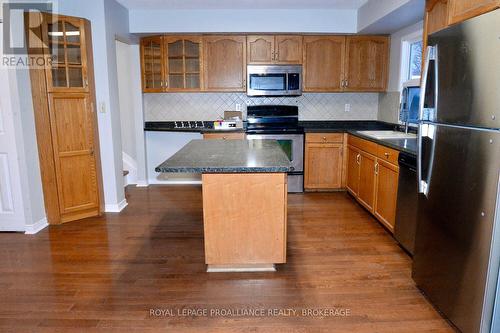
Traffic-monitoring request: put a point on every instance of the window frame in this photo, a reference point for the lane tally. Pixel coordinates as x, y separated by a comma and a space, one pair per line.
404, 65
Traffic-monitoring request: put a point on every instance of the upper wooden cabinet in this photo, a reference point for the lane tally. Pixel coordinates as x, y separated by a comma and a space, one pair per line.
183, 63
225, 63
460, 10
218, 62
280, 49
366, 67
324, 58
152, 63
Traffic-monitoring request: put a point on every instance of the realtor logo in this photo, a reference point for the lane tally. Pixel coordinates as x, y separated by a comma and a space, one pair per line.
15, 41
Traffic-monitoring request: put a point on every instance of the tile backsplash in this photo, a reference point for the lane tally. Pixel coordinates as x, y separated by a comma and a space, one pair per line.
211, 106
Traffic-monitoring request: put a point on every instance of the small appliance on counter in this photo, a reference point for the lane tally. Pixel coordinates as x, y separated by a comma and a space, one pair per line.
232, 120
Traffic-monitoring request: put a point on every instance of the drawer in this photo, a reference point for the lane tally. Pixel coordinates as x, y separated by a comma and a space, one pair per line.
388, 154
325, 137
225, 136
365, 145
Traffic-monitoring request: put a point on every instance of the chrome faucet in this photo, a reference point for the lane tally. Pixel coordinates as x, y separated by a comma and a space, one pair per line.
407, 121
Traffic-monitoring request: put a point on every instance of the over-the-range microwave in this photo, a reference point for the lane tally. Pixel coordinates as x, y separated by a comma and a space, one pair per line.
274, 80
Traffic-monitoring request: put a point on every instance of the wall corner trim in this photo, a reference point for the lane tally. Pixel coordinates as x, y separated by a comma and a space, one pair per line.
32, 229
116, 208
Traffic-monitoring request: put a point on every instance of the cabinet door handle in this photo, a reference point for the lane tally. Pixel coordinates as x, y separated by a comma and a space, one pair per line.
358, 159
376, 168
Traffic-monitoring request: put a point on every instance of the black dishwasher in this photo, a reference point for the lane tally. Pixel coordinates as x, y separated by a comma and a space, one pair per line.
406, 208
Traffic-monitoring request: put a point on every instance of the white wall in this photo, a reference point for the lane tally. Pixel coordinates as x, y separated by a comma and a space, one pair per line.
108, 19
274, 20
389, 101
395, 56
131, 111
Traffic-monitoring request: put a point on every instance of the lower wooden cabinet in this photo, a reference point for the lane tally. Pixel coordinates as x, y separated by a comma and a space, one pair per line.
353, 162
372, 178
366, 194
386, 193
323, 161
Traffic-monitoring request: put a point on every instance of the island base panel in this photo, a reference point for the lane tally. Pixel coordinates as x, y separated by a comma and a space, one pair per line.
244, 217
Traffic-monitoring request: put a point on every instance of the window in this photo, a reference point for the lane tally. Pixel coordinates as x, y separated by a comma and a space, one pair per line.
411, 68
411, 57
415, 60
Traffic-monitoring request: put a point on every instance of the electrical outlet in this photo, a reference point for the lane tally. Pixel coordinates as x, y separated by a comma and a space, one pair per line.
347, 107
238, 107
102, 107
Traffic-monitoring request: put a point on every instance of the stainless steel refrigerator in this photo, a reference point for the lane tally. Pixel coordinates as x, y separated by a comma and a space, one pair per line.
456, 261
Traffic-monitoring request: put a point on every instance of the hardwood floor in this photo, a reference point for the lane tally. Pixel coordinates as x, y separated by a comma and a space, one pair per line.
106, 274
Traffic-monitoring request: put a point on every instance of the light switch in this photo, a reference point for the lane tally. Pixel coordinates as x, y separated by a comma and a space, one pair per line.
102, 107
347, 107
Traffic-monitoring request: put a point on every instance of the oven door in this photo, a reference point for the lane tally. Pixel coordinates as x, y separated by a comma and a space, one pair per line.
293, 146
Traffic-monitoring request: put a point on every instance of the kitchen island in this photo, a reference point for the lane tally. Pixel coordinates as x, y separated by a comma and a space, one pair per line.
244, 200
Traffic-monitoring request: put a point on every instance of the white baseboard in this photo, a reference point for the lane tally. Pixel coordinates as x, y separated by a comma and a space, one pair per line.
32, 229
142, 183
174, 182
116, 208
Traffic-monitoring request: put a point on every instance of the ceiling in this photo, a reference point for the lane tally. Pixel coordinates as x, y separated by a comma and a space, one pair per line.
242, 4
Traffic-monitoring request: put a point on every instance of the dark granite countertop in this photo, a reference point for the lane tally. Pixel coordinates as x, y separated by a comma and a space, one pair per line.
228, 156
168, 126
407, 145
344, 125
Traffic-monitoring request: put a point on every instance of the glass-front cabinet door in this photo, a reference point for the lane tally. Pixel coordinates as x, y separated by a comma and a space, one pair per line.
183, 63
65, 38
152, 64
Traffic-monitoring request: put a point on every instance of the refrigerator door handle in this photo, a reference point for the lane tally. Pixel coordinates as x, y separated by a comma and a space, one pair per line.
428, 133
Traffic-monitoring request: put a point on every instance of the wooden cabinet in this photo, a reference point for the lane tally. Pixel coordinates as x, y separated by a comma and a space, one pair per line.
225, 63
323, 64
152, 64
386, 193
225, 136
323, 161
66, 124
372, 178
366, 191
353, 162
280, 49
460, 10
439, 14
366, 66
339, 63
183, 63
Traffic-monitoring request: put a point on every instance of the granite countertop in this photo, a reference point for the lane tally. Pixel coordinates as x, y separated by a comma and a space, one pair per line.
228, 156
407, 145
314, 126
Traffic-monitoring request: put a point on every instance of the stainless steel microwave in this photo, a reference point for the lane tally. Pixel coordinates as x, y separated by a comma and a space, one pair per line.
274, 80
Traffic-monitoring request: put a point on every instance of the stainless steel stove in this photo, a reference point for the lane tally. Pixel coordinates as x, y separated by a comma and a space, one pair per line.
280, 123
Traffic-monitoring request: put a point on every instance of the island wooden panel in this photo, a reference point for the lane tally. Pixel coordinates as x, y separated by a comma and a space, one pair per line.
244, 217
225, 136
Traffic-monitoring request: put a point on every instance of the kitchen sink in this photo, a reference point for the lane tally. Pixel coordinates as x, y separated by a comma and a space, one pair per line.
380, 135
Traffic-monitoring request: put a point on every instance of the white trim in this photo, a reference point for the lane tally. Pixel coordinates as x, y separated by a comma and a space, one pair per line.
32, 229
142, 183
174, 182
130, 165
116, 208
405, 54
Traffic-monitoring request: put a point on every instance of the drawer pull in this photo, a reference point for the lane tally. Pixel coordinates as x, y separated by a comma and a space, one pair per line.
387, 155
324, 138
